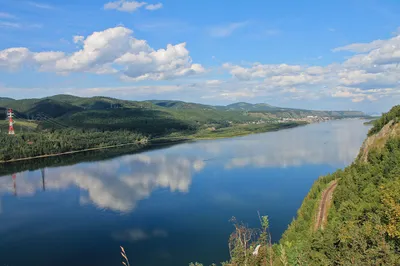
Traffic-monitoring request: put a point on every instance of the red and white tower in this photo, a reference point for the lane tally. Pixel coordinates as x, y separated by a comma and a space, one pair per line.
10, 115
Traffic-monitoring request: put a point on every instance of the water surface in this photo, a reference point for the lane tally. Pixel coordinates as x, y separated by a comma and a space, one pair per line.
168, 206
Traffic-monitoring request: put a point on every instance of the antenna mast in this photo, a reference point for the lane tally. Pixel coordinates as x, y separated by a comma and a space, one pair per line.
10, 115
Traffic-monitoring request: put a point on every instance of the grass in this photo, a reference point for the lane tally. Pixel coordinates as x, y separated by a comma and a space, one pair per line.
123, 254
241, 130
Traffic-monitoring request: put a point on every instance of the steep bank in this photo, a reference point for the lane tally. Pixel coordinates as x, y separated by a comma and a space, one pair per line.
363, 226
378, 140
360, 226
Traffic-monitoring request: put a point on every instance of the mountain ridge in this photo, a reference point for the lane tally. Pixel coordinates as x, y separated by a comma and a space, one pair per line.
102, 102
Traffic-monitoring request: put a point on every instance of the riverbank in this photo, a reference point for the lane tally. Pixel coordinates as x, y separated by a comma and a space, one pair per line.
229, 132
361, 199
69, 152
244, 130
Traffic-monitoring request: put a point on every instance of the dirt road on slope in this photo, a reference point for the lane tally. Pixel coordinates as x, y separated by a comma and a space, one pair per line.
324, 205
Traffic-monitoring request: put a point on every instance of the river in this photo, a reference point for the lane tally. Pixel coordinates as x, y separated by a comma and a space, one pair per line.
167, 206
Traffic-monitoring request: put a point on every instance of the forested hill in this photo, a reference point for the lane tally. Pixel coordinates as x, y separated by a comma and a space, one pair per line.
59, 105
152, 118
363, 226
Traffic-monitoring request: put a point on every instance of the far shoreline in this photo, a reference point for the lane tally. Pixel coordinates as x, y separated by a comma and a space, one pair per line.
166, 140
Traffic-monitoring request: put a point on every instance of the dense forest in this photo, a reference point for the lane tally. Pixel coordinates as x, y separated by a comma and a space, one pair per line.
75, 158
30, 144
363, 225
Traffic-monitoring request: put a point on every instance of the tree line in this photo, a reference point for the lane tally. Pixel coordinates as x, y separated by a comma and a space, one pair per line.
29, 144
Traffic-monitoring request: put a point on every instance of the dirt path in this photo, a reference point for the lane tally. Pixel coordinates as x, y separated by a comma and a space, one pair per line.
324, 206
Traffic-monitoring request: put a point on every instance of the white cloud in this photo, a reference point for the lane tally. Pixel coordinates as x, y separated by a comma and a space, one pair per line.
131, 6
360, 47
126, 90
113, 50
125, 6
227, 30
396, 32
19, 26
41, 5
7, 15
154, 6
78, 39
260, 71
6, 24
366, 75
214, 82
13, 58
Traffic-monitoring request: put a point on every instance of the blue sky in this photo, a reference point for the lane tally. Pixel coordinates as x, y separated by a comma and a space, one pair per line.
307, 54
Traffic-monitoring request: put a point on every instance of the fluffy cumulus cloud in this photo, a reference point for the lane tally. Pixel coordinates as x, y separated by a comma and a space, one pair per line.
113, 50
154, 6
131, 6
371, 73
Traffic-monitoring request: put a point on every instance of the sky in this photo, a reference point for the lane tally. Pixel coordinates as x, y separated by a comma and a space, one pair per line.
326, 55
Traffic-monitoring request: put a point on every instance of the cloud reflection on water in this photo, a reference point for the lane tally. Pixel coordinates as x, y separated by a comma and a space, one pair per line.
119, 184
116, 185
136, 235
336, 143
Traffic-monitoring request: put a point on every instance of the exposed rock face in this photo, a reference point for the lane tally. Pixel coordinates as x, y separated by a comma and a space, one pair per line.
379, 139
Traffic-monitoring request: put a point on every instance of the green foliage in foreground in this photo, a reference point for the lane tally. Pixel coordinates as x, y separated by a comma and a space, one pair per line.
58, 141
393, 114
363, 224
364, 220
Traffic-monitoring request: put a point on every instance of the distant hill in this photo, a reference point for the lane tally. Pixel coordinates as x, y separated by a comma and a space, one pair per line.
65, 98
5, 99
258, 107
150, 117
53, 108
250, 107
181, 105
69, 103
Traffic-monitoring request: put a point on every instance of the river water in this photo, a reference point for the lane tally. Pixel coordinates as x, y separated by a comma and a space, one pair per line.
168, 206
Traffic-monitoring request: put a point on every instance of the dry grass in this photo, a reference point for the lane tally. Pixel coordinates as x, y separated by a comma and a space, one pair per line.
126, 260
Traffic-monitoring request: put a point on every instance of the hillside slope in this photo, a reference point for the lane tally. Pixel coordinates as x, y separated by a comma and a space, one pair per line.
350, 217
29, 106
363, 225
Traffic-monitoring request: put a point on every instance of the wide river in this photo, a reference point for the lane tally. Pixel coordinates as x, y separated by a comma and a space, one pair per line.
167, 206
